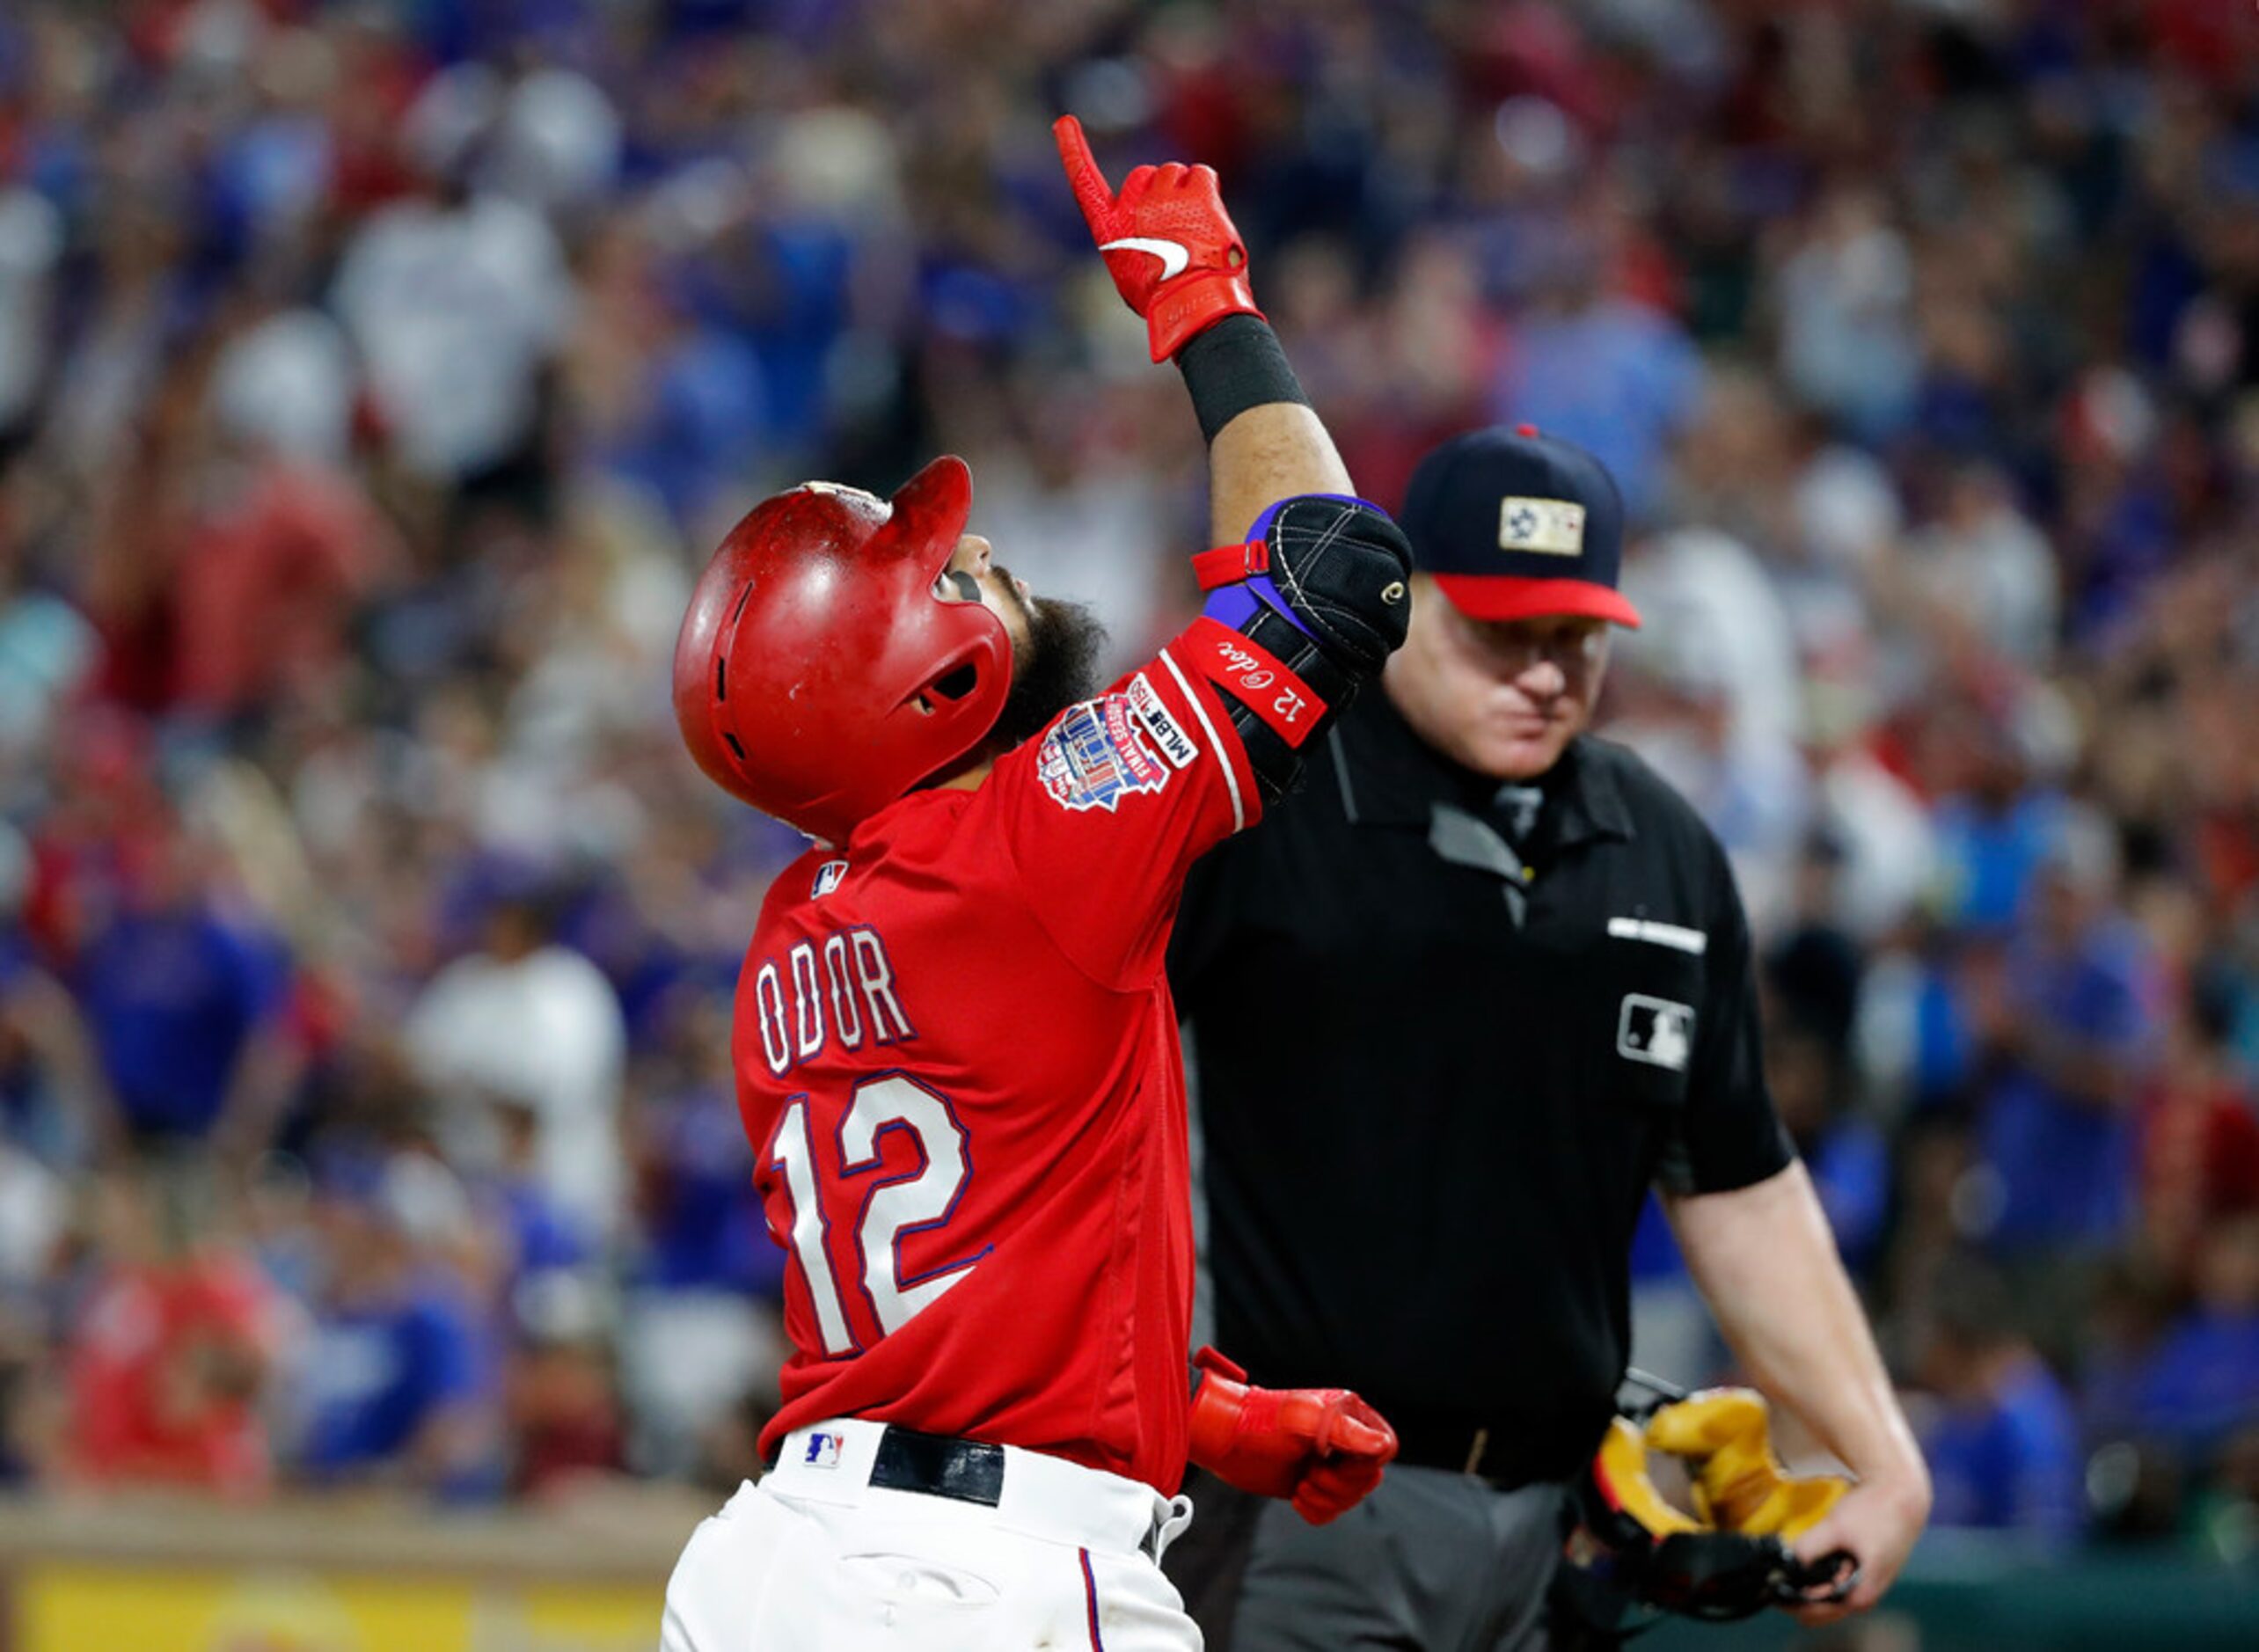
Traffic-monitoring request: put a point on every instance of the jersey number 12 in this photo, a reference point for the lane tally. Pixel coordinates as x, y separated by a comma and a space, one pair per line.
892, 1209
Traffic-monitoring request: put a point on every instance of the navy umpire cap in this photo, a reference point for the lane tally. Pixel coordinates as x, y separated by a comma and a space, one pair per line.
1516, 525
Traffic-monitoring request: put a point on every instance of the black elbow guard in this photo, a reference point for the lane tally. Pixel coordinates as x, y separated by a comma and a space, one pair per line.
1318, 595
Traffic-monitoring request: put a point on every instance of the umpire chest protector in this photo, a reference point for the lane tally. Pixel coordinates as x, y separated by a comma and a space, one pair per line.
1443, 1041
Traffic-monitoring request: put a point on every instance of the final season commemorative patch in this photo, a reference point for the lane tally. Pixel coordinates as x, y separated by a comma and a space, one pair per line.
1096, 755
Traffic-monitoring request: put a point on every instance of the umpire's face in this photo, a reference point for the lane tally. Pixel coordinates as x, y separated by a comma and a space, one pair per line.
1501, 696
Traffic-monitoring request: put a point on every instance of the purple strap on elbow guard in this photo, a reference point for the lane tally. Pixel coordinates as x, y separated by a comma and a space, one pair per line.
1235, 605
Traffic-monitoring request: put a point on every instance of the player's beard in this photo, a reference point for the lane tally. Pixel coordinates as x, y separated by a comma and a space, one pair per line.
1058, 666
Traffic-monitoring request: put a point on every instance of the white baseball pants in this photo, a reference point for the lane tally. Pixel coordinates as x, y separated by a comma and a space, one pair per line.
816, 1559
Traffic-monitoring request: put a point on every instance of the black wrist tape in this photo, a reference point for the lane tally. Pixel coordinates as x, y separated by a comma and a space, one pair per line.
1235, 365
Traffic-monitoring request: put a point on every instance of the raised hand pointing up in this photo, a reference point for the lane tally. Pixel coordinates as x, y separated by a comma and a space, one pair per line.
1173, 253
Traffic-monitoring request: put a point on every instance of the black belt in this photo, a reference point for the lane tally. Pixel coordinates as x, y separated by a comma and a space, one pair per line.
1500, 1452
968, 1470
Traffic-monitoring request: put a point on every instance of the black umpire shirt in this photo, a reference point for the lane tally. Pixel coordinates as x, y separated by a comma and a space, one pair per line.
1438, 1064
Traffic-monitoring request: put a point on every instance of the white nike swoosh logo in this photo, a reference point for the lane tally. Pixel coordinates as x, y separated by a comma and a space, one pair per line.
1175, 260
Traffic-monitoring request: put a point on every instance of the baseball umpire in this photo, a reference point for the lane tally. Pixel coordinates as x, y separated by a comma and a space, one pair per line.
955, 1045
1523, 977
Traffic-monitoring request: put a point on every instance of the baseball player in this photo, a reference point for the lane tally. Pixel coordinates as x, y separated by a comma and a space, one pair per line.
955, 1048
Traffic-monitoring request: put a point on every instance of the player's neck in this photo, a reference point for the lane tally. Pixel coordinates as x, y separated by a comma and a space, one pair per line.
967, 779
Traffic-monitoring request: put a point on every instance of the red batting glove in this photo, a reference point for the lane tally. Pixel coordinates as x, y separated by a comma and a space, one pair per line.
1322, 1447
1174, 256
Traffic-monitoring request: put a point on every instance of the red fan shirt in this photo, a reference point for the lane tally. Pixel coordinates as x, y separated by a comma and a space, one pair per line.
957, 1058
164, 1367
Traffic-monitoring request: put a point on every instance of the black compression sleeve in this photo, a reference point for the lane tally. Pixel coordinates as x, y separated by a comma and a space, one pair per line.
1235, 365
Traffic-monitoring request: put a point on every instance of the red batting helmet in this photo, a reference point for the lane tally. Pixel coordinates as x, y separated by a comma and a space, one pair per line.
817, 676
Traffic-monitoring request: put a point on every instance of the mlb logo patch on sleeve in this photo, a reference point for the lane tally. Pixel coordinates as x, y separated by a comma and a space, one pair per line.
1168, 735
1096, 755
1655, 1031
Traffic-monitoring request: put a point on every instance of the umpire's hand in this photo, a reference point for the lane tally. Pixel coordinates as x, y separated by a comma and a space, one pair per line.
1876, 1523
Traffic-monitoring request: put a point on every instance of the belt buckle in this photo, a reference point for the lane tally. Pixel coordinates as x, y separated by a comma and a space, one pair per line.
938, 1465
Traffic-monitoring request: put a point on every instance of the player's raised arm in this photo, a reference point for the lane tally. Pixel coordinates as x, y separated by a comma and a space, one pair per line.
1307, 603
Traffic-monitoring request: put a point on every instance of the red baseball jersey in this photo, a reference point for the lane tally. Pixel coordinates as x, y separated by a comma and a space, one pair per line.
957, 1059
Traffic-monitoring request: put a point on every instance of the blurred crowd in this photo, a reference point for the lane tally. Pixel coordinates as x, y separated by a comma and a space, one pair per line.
375, 373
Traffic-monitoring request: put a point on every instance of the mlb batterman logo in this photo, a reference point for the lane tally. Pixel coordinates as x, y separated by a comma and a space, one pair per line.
1655, 1031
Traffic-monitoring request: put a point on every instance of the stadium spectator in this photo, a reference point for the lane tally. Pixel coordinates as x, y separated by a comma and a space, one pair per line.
400, 1381
2003, 1444
182, 998
1810, 984
562, 1407
2201, 1385
704, 1321
456, 298
1595, 365
173, 1346
527, 1025
2199, 1136
2063, 1025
